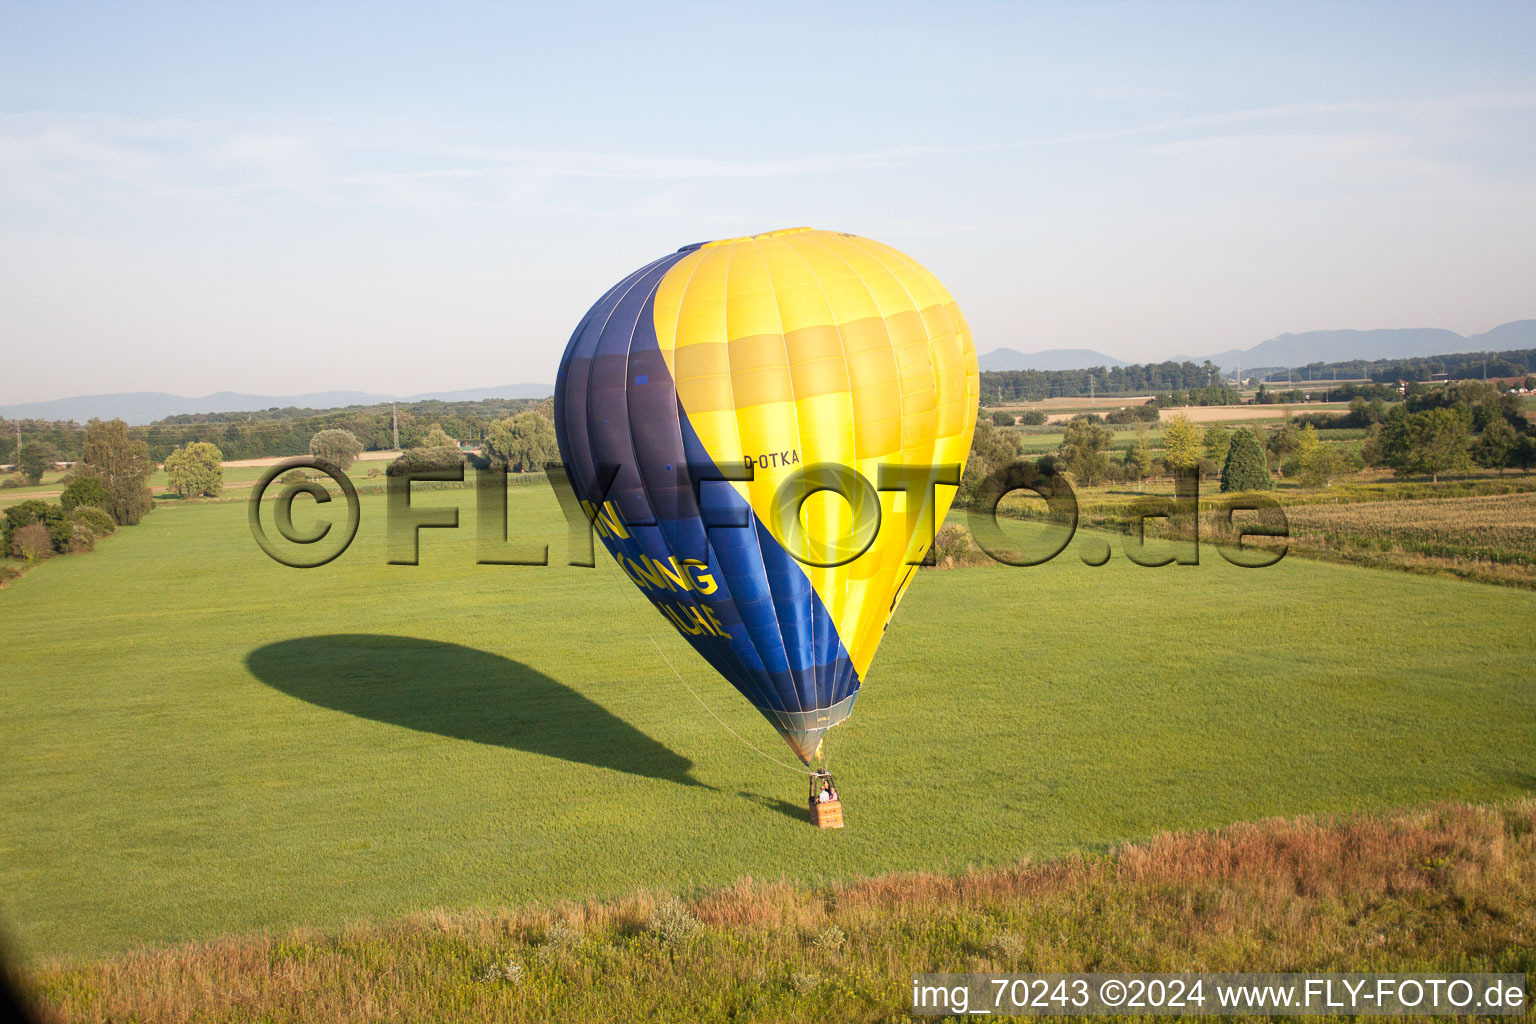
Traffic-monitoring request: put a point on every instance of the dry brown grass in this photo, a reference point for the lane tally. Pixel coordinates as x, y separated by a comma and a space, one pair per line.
1446, 887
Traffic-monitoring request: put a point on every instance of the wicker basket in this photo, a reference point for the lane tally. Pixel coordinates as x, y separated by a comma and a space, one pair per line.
827, 815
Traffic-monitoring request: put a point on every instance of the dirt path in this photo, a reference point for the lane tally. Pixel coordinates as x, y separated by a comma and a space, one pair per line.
364, 457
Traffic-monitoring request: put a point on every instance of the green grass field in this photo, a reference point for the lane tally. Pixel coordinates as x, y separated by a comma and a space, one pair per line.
200, 741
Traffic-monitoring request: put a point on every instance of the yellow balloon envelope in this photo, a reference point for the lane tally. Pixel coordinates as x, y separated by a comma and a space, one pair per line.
843, 374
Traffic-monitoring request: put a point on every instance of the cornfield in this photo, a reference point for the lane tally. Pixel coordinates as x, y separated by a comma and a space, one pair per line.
1499, 529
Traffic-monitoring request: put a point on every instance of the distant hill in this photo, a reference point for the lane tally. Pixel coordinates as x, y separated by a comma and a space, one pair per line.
141, 407
1050, 359
1399, 343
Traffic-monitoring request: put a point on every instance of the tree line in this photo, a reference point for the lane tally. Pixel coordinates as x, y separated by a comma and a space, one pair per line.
276, 432
1000, 386
1511, 363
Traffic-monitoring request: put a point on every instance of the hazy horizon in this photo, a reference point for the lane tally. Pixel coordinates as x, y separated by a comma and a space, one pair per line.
325, 197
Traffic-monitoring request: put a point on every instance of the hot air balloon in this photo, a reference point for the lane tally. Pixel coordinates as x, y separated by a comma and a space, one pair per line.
809, 356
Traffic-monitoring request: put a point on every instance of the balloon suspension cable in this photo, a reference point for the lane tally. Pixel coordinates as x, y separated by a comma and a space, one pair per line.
644, 624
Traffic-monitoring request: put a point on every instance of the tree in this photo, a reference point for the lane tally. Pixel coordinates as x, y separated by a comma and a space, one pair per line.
991, 449
1304, 452
1136, 464
1320, 463
1031, 418
196, 470
1002, 419
1082, 449
420, 460
37, 458
1524, 454
1443, 442
123, 468
1246, 468
1217, 440
1431, 442
437, 437
1283, 442
523, 443
338, 447
1183, 442
1496, 448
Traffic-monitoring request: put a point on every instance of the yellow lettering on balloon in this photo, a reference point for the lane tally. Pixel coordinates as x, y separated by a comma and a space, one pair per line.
678, 620
615, 522
703, 581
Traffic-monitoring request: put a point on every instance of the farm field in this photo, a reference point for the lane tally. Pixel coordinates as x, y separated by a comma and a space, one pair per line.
1496, 533
1249, 413
201, 741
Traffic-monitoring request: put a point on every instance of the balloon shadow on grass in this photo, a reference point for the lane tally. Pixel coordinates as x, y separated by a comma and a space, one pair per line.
797, 812
463, 693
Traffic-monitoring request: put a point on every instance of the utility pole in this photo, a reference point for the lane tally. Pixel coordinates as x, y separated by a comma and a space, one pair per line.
394, 420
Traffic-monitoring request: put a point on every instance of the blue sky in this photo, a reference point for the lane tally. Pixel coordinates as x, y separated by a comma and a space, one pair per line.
408, 198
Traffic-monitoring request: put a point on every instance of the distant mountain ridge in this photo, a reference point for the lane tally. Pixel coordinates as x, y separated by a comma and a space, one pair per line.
1386, 343
141, 407
1050, 359
1294, 349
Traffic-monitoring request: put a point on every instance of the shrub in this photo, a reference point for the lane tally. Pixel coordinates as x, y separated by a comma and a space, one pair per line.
81, 539
421, 460
1032, 418
93, 519
84, 490
34, 512
673, 922
1002, 419
950, 542
829, 941
31, 542
1144, 413
293, 476
1009, 947
15, 480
